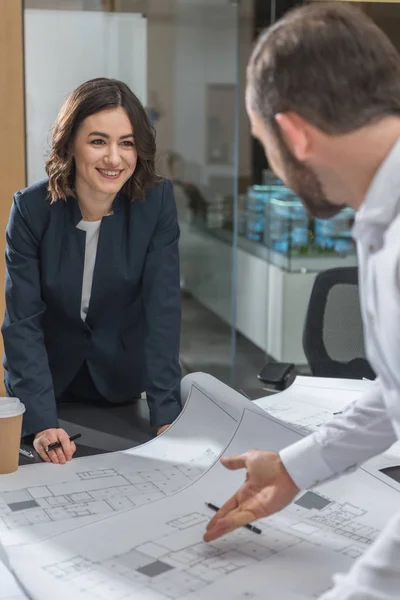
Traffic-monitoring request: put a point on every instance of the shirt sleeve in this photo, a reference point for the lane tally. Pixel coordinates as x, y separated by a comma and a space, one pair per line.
376, 575
162, 304
361, 432
27, 364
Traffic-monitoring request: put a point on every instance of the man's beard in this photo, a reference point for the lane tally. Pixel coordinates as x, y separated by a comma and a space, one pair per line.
306, 184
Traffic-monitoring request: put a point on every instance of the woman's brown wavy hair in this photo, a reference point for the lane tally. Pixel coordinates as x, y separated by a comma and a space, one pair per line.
90, 98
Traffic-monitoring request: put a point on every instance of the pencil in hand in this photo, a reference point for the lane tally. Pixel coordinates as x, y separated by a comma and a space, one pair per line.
58, 444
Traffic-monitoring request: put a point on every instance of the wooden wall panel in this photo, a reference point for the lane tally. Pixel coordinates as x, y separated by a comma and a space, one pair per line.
12, 121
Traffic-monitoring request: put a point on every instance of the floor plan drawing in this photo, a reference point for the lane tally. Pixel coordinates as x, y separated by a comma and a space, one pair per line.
317, 517
98, 492
44, 500
9, 587
155, 551
169, 566
179, 564
312, 401
306, 419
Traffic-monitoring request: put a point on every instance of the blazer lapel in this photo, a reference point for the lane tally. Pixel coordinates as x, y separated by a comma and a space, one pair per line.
109, 262
73, 258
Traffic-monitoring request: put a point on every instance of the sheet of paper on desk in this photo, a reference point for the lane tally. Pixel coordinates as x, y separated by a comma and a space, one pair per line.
43, 500
155, 551
9, 587
312, 401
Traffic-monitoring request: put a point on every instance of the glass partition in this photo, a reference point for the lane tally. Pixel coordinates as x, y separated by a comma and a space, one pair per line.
182, 58
277, 227
249, 252
193, 91
67, 43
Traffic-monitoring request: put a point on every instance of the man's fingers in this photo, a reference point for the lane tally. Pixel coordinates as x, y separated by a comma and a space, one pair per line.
234, 462
232, 521
229, 506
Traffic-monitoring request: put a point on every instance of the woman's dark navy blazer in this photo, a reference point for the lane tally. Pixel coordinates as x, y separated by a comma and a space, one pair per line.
130, 340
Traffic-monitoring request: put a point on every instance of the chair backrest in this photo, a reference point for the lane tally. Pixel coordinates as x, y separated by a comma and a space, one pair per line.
333, 338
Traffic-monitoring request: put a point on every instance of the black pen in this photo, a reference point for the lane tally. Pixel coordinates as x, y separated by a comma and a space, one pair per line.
26, 453
248, 526
58, 444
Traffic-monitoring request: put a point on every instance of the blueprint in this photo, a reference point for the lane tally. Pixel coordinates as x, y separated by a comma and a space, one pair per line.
9, 587
312, 401
129, 525
155, 550
44, 500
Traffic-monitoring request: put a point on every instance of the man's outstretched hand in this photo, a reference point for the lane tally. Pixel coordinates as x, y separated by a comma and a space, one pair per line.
268, 489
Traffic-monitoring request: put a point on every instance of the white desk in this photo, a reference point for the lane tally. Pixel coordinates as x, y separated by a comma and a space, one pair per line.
129, 525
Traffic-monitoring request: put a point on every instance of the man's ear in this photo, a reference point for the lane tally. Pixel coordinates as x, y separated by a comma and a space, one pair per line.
296, 133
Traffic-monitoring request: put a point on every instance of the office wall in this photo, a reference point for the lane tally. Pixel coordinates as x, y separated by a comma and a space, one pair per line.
12, 147
60, 55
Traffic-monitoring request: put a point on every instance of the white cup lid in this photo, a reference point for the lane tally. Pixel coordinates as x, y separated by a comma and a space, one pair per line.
11, 407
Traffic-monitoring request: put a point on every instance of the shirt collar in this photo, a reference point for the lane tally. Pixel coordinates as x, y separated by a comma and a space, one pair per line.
382, 201
76, 214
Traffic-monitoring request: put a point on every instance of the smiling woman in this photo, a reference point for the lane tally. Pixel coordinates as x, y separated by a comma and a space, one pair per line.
92, 288
105, 159
103, 113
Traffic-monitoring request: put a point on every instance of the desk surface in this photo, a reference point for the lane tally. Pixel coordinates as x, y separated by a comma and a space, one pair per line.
104, 427
45, 512
81, 451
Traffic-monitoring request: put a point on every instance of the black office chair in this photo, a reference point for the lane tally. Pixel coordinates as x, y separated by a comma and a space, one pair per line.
333, 338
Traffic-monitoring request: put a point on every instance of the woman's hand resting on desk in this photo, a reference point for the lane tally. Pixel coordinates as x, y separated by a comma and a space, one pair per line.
59, 456
161, 430
268, 489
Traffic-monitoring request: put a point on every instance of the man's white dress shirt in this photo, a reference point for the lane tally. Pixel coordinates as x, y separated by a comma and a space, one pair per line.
372, 424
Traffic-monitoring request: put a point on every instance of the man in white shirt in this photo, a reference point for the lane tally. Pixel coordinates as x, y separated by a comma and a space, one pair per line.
323, 97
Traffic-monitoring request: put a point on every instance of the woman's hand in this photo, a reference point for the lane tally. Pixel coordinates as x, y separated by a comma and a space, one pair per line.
59, 456
162, 429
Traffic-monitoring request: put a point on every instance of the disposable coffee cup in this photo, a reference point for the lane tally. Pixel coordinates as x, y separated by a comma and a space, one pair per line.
11, 412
